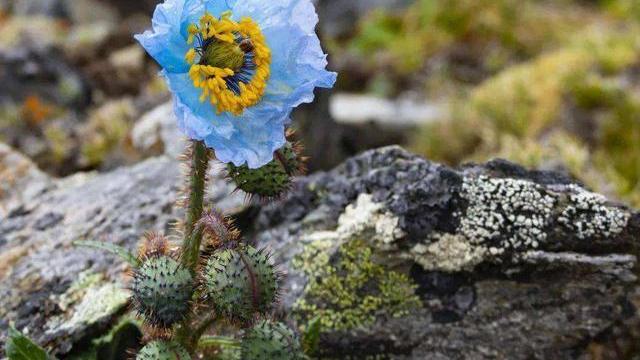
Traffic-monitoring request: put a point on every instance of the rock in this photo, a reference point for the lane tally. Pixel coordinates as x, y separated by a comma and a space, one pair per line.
40, 72
53, 8
399, 114
399, 257
36, 31
59, 294
402, 258
76, 11
158, 129
102, 137
20, 182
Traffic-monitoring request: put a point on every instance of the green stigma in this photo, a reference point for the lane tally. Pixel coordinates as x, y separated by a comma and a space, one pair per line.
224, 55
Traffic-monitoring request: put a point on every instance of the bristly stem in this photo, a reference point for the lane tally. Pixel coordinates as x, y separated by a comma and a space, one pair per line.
197, 176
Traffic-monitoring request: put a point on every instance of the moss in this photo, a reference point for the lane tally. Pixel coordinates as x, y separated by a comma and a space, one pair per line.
502, 30
59, 143
106, 131
351, 289
526, 99
576, 107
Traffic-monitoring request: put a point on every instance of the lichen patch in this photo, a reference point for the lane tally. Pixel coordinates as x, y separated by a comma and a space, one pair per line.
505, 213
448, 252
368, 219
589, 216
349, 287
88, 300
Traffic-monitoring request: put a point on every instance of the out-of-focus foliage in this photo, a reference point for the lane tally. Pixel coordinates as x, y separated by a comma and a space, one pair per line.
568, 97
466, 40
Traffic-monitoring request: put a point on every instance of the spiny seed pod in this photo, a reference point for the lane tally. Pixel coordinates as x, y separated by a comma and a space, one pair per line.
270, 340
273, 179
162, 290
163, 350
241, 282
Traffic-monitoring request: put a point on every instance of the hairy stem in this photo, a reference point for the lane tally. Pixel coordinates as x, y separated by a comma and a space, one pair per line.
198, 166
197, 176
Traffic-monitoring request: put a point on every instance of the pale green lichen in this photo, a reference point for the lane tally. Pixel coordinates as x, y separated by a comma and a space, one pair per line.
348, 285
368, 219
448, 252
87, 301
351, 289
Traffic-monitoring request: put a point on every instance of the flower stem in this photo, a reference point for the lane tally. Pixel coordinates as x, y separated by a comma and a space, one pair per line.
197, 176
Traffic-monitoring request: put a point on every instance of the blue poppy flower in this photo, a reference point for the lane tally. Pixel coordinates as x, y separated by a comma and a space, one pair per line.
237, 68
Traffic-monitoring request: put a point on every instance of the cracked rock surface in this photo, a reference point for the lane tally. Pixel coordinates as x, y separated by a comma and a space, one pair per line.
60, 294
398, 257
506, 263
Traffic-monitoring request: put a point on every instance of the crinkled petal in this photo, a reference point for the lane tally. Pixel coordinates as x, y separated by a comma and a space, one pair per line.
298, 61
164, 42
298, 67
276, 12
251, 138
167, 41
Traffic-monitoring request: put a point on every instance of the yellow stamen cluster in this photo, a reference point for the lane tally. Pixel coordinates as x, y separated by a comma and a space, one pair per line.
211, 79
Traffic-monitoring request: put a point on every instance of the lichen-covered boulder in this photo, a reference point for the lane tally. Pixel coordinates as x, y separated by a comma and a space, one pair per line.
403, 258
395, 256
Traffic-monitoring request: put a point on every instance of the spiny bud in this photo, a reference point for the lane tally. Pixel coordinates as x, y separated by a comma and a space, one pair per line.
241, 282
163, 350
271, 340
153, 245
162, 289
273, 179
217, 229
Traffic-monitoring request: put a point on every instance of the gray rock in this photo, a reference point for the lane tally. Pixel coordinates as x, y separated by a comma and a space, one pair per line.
159, 129
28, 71
60, 294
20, 181
401, 258
489, 261
403, 113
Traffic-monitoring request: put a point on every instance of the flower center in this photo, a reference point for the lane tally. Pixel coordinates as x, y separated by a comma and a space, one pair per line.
230, 62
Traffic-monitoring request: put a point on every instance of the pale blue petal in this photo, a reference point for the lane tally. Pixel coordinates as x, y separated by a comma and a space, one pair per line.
164, 42
251, 138
298, 61
298, 67
197, 119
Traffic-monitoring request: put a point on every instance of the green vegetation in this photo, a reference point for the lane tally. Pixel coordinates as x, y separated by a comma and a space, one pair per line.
352, 290
479, 37
567, 97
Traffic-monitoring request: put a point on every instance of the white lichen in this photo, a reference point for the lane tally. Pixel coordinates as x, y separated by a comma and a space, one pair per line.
588, 216
505, 213
369, 219
448, 252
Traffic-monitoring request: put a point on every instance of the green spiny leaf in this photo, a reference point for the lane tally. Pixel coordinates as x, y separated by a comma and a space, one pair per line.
20, 347
123, 253
311, 336
220, 341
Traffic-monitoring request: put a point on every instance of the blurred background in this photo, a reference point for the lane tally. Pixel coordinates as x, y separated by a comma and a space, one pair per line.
550, 84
